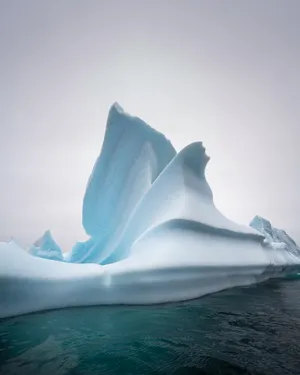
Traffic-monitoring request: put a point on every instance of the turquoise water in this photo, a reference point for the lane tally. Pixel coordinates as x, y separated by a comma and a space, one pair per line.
293, 276
252, 330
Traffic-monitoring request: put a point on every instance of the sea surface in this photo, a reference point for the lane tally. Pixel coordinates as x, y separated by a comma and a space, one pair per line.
249, 330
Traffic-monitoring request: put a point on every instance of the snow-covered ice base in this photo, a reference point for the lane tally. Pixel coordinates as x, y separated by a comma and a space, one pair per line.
155, 234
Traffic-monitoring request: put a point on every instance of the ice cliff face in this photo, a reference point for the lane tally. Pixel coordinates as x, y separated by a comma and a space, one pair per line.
274, 236
155, 234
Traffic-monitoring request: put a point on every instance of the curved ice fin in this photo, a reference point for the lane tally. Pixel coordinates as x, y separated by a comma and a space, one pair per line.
132, 157
181, 192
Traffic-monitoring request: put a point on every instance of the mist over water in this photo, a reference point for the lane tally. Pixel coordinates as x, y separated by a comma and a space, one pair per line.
250, 330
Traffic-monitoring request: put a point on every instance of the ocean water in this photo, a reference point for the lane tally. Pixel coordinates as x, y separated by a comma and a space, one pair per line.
249, 330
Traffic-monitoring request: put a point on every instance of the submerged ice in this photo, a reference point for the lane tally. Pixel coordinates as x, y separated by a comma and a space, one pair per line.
155, 234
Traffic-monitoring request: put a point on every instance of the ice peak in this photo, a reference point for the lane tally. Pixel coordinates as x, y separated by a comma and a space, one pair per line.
274, 235
258, 217
116, 110
194, 156
117, 107
260, 220
47, 236
46, 247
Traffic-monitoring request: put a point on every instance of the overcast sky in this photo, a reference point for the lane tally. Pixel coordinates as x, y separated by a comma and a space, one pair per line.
223, 72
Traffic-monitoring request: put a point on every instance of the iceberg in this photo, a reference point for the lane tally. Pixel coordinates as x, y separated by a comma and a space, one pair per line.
275, 237
155, 234
46, 247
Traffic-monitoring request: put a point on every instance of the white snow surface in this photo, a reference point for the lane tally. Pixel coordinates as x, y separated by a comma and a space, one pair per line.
155, 234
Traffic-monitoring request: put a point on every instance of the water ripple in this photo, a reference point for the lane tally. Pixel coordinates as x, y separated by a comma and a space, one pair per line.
253, 331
